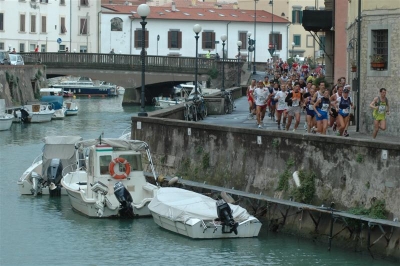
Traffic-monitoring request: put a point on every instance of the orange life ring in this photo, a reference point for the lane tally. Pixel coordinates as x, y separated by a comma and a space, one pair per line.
117, 161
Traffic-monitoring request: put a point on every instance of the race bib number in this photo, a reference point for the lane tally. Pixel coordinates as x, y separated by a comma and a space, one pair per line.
261, 98
296, 102
325, 107
381, 109
345, 111
310, 107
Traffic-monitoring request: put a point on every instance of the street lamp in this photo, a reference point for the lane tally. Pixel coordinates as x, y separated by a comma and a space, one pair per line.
223, 39
272, 51
239, 44
158, 39
255, 20
196, 29
143, 10
248, 50
293, 49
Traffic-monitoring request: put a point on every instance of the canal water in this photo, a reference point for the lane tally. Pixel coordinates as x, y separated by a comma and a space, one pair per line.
46, 231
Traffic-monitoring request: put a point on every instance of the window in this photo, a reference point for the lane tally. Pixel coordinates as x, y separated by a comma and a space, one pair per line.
116, 24
174, 39
22, 47
297, 40
22, 22
84, 2
33, 23
138, 38
43, 30
297, 16
322, 42
104, 163
62, 2
208, 40
63, 29
310, 41
1, 45
380, 43
276, 39
43, 48
61, 48
243, 39
83, 28
83, 49
1, 21
44, 1
32, 47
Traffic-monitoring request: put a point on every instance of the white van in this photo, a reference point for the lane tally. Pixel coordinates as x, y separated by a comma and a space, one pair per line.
16, 60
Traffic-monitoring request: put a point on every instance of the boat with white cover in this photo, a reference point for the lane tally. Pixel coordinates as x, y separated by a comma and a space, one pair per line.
54, 97
34, 113
197, 216
112, 182
44, 175
71, 108
5, 119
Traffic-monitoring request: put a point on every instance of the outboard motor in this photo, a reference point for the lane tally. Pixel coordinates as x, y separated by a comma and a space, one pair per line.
54, 176
24, 116
37, 182
224, 213
125, 199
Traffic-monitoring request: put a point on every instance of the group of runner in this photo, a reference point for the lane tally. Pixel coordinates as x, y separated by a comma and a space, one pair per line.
288, 97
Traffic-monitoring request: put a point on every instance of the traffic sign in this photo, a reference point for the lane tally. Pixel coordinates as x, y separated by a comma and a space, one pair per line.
271, 51
59, 40
251, 48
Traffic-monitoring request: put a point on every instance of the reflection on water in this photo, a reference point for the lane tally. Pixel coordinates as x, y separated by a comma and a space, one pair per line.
46, 231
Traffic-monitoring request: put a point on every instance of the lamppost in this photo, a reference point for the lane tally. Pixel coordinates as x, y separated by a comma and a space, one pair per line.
356, 81
223, 39
272, 51
143, 10
255, 20
239, 44
196, 29
158, 38
293, 49
248, 49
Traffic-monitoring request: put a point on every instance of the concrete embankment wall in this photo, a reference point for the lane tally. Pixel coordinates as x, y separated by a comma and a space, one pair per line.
19, 84
349, 172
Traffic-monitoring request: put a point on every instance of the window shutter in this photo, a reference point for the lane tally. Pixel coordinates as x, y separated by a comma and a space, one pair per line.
213, 40
179, 39
146, 39
1, 21
33, 23
293, 16
22, 23
169, 39
83, 26
136, 45
280, 42
301, 17
203, 40
44, 24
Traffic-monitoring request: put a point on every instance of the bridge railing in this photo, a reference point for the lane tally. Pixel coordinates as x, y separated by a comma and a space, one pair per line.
120, 61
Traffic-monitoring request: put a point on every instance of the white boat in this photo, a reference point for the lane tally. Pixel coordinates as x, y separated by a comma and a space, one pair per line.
44, 175
34, 113
71, 108
5, 119
164, 102
120, 90
112, 182
197, 216
85, 86
54, 97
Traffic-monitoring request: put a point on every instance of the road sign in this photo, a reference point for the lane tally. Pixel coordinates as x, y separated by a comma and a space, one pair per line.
59, 40
271, 51
251, 48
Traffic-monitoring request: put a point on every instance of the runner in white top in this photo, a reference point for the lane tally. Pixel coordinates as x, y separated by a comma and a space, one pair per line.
281, 105
261, 94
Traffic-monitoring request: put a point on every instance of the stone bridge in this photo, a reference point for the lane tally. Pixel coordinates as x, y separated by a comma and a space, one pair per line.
125, 70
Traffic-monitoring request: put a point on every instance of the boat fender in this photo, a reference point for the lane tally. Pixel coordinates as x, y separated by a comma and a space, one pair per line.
118, 161
173, 180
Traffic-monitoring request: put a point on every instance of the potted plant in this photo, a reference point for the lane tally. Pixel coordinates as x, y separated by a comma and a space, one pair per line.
353, 65
377, 61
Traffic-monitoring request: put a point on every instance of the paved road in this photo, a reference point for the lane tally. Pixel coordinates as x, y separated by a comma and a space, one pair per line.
239, 118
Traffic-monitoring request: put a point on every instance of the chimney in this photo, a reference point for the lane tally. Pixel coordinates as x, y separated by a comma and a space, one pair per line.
194, 2
173, 7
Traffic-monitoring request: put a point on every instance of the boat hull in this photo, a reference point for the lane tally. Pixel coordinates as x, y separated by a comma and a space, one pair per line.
90, 91
6, 122
194, 228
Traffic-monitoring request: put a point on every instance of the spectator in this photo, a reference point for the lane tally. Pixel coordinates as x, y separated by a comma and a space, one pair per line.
112, 51
66, 50
217, 56
208, 54
13, 51
37, 49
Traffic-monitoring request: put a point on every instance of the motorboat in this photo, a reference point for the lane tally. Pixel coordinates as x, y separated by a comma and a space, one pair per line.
164, 102
111, 182
200, 217
68, 94
54, 97
71, 108
5, 119
44, 175
34, 113
85, 86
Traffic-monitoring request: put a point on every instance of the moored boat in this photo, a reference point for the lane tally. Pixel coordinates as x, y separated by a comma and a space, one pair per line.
5, 119
54, 97
44, 175
112, 182
85, 86
71, 108
197, 216
34, 113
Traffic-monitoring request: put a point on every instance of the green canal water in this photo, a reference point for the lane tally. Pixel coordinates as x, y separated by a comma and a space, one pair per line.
46, 231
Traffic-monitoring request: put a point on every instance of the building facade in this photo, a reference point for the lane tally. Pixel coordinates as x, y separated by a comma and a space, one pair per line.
53, 25
380, 36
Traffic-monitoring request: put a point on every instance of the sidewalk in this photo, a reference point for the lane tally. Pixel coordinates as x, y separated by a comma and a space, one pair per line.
239, 118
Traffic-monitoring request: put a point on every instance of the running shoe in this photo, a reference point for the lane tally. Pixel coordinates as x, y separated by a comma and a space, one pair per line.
338, 134
346, 134
250, 116
259, 126
294, 130
305, 126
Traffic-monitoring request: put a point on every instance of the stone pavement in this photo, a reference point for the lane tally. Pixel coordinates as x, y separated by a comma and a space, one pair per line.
239, 118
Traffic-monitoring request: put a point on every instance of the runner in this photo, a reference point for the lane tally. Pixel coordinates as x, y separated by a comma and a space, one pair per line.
294, 100
321, 107
310, 120
250, 99
380, 105
334, 114
281, 106
261, 95
343, 105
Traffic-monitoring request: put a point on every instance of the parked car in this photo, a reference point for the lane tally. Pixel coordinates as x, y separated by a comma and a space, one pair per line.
16, 59
4, 58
